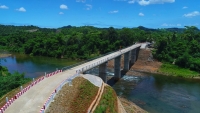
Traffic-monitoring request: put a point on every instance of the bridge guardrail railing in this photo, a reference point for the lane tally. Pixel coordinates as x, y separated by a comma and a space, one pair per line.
57, 89
71, 66
9, 102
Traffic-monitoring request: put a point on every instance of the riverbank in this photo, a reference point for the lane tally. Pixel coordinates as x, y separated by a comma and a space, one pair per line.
5, 55
146, 63
130, 107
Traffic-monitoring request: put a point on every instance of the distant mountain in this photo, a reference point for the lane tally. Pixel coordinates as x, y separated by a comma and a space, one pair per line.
146, 29
180, 30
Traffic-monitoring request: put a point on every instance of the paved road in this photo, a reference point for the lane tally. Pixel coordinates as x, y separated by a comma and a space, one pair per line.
143, 45
93, 79
33, 100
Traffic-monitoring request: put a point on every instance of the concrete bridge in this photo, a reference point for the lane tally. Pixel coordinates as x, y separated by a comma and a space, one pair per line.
35, 97
130, 56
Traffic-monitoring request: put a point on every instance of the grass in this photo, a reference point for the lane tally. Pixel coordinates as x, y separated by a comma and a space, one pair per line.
173, 70
108, 102
84, 97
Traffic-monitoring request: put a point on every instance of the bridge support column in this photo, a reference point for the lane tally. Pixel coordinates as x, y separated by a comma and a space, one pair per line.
137, 52
126, 61
102, 72
133, 56
117, 67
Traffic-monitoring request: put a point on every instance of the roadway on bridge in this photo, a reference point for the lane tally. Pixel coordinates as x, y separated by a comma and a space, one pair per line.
33, 100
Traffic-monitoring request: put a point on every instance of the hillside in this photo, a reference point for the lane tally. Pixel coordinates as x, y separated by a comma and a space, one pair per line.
77, 99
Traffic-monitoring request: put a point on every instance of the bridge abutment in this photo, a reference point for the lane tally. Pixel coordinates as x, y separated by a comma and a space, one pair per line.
117, 67
102, 72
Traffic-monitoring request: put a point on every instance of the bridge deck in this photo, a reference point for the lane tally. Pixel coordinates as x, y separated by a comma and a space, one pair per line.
92, 64
33, 100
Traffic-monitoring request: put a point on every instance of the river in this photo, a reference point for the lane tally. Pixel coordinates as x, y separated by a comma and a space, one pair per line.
154, 93
34, 66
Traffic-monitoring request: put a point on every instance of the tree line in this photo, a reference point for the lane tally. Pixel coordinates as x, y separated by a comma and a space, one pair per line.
173, 45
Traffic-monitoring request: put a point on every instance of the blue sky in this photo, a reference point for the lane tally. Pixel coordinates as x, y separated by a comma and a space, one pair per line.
101, 13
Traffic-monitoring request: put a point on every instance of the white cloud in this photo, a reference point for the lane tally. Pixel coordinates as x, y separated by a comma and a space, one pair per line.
164, 24
63, 6
83, 1
61, 13
131, 1
178, 25
192, 14
115, 11
21, 9
141, 14
148, 2
89, 7
185, 7
3, 7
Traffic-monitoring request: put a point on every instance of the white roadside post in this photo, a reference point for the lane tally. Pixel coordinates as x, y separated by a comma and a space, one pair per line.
21, 88
6, 99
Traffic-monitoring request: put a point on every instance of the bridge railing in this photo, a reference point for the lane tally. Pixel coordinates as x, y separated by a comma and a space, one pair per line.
57, 89
71, 66
9, 102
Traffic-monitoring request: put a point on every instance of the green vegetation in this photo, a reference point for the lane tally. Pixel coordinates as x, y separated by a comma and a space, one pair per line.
180, 46
69, 42
174, 70
108, 102
86, 94
10, 81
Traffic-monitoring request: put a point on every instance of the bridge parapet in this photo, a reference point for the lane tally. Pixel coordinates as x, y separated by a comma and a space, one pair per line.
43, 93
23, 90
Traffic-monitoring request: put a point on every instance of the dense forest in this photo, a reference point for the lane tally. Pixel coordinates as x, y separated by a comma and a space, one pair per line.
180, 46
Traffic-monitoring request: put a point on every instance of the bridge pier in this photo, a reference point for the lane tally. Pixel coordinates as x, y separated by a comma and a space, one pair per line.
137, 52
117, 67
102, 72
126, 61
133, 55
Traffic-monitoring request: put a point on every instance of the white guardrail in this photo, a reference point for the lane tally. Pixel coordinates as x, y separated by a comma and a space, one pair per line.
9, 102
104, 59
82, 69
68, 80
53, 94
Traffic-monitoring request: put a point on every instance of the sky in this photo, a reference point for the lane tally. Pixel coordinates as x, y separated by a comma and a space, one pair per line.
101, 13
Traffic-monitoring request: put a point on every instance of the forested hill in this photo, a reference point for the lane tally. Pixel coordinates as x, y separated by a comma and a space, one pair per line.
68, 41
172, 44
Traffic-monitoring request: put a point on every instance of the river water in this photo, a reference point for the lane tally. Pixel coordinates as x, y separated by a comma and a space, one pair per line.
34, 66
154, 93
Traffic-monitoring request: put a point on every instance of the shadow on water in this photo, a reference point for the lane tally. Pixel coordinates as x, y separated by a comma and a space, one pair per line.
114, 80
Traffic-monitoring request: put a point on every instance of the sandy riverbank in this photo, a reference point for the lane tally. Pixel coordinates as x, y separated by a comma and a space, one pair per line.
4, 55
143, 64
